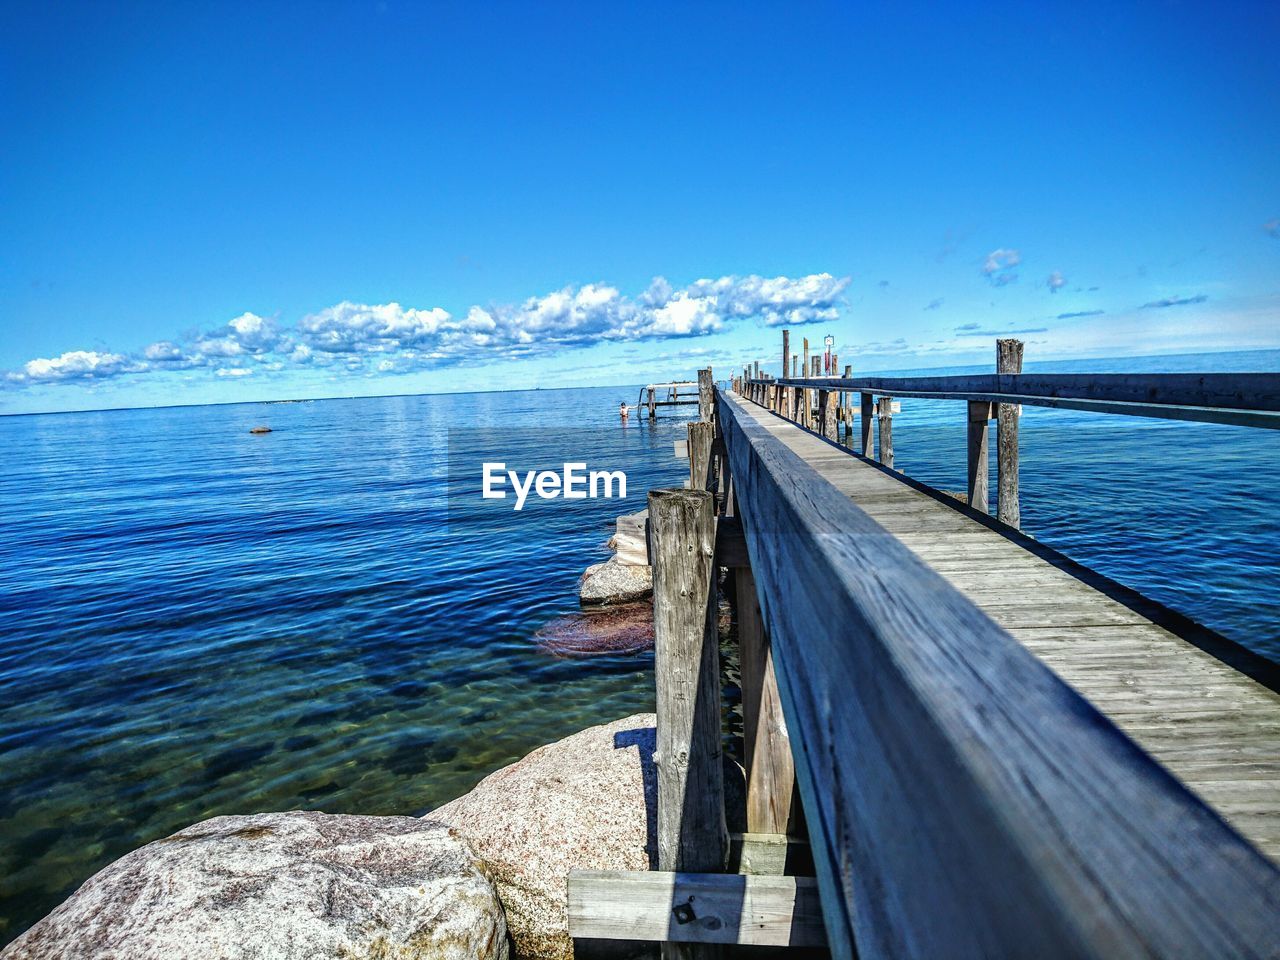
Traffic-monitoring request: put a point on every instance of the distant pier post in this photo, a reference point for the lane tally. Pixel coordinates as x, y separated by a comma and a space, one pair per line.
1008, 510
885, 441
691, 827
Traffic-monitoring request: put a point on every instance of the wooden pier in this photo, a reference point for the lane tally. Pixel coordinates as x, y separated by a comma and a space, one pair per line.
999, 752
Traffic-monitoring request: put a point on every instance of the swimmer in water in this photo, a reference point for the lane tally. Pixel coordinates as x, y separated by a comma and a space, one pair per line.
622, 410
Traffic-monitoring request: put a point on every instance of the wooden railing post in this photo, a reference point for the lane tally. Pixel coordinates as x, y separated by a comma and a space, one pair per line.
830, 402
1008, 509
653, 405
691, 826
979, 457
706, 395
699, 448
786, 352
884, 445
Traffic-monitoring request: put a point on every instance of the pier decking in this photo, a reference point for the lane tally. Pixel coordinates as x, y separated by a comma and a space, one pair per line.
1212, 726
998, 752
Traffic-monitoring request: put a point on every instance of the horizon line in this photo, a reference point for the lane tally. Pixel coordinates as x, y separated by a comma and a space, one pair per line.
602, 386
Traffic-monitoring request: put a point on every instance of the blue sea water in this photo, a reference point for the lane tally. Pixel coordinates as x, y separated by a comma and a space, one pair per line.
198, 621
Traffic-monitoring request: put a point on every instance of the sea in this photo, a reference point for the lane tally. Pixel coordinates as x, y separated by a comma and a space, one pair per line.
197, 620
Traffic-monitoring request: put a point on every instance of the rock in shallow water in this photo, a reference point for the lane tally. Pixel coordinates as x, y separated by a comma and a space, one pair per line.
625, 628
588, 802
613, 582
284, 886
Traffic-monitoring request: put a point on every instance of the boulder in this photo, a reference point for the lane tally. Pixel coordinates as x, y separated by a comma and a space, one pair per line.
615, 582
285, 886
588, 802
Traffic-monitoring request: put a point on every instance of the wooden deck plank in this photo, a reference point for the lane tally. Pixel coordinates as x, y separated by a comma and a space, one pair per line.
1214, 728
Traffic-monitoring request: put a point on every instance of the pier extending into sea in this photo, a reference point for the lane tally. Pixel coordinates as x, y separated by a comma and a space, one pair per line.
980, 747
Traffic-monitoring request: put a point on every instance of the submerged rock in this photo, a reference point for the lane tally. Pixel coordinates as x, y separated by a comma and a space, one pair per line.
615, 582
288, 886
626, 628
587, 802
259, 429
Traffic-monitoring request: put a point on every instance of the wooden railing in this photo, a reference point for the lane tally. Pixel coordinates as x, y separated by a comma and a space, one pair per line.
825, 404
961, 799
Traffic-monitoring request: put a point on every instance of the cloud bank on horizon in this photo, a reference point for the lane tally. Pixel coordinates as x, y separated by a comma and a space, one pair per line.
389, 338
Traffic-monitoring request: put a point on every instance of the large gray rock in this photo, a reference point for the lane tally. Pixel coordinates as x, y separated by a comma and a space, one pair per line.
615, 582
587, 802
282, 886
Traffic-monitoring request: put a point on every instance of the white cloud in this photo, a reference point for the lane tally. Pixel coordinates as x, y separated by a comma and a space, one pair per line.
999, 265
389, 337
75, 365
1055, 282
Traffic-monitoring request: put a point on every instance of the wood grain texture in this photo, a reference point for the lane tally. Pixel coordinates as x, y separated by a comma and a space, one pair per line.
1008, 503
962, 799
730, 908
771, 775
706, 394
884, 432
698, 445
691, 825
979, 461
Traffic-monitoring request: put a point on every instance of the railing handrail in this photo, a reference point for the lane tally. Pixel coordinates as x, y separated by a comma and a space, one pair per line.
1242, 399
962, 800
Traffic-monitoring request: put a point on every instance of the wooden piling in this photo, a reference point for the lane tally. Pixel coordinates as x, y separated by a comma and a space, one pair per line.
884, 444
653, 405
691, 828
700, 434
706, 394
786, 352
1008, 509
979, 458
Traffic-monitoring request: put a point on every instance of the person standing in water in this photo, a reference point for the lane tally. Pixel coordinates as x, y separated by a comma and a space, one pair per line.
623, 411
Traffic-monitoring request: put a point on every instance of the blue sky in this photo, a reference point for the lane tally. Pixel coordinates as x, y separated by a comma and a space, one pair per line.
211, 202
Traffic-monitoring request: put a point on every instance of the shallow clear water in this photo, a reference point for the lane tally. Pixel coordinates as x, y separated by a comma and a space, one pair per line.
196, 621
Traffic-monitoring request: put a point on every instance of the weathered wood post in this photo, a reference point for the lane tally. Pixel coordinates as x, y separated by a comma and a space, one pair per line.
795, 365
804, 417
653, 405
691, 826
1008, 509
771, 774
830, 401
786, 352
885, 442
706, 394
979, 458
700, 433
866, 411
